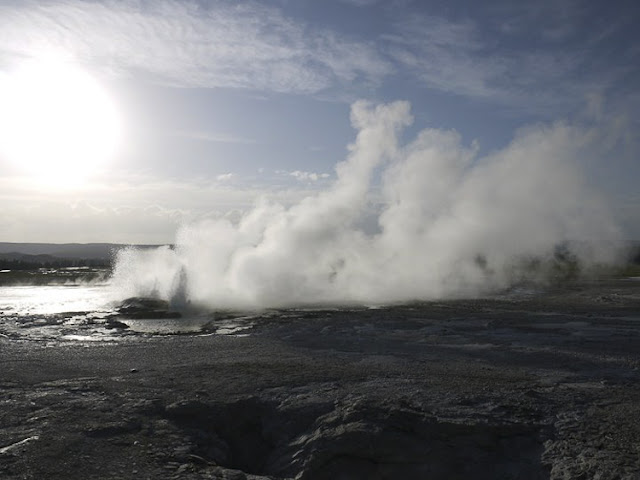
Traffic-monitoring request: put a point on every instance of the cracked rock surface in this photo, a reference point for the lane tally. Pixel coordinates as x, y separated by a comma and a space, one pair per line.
531, 387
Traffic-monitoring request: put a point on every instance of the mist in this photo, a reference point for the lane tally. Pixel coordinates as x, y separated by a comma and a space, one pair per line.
417, 220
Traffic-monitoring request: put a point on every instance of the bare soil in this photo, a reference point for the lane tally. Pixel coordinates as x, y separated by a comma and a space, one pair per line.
525, 387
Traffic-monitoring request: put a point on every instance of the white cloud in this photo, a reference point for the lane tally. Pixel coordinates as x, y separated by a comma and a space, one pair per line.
225, 177
190, 44
301, 176
131, 209
551, 20
256, 46
446, 55
360, 3
308, 176
466, 57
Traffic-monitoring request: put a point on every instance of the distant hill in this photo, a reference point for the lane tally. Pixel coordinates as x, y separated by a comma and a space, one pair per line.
71, 251
25, 257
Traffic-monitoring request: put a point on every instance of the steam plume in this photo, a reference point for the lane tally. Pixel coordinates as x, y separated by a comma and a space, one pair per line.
448, 224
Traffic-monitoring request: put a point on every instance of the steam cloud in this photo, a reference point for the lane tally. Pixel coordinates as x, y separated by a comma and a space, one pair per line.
448, 224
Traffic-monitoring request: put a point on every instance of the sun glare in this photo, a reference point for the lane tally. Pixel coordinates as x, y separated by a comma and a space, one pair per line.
56, 122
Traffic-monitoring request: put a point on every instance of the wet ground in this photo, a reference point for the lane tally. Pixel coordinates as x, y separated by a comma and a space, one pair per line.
529, 385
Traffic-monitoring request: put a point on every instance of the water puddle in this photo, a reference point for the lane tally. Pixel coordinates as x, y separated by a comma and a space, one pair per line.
188, 325
54, 299
86, 314
167, 326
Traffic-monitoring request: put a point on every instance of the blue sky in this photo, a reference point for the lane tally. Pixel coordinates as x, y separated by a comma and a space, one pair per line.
223, 102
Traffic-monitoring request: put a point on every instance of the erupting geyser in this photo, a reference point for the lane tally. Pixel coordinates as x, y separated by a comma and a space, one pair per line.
449, 223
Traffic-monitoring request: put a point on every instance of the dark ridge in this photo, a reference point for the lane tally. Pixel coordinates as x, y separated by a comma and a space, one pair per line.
103, 251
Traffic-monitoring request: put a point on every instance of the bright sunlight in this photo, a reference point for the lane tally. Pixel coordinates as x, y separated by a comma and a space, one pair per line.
56, 122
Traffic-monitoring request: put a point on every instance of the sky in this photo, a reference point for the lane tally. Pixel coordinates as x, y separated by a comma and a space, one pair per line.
181, 111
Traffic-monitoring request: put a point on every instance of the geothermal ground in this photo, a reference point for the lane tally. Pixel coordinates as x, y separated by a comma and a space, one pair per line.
527, 386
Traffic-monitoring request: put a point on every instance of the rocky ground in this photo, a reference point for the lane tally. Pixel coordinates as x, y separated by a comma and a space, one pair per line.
523, 387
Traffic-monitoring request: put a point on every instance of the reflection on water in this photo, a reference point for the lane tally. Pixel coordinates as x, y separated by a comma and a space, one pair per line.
86, 313
167, 325
193, 324
90, 338
53, 299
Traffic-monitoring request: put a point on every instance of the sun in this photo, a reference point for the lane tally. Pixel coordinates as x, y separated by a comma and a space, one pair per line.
56, 121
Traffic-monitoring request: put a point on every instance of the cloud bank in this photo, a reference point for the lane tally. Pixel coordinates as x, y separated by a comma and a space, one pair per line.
190, 44
448, 224
491, 54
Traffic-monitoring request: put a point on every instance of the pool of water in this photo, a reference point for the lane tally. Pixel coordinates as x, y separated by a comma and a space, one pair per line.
86, 313
55, 299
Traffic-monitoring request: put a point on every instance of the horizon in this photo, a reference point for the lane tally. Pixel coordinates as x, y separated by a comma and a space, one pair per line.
129, 244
